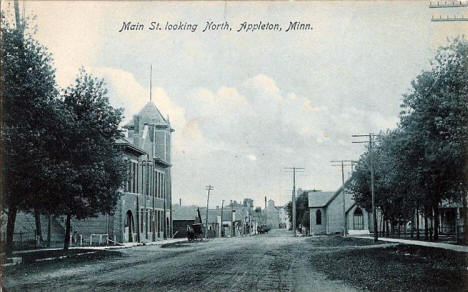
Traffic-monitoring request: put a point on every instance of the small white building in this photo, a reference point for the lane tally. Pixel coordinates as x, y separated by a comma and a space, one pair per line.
326, 213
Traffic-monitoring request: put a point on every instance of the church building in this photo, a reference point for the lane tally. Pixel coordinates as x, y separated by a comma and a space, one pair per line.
326, 213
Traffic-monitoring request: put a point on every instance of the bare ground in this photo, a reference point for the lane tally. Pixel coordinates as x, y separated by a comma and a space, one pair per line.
272, 262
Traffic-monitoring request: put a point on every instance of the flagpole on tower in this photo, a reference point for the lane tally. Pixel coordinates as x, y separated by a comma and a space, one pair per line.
151, 82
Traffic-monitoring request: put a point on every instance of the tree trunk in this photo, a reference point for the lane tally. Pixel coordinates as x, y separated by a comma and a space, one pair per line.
10, 230
417, 223
426, 230
37, 219
66, 243
465, 219
412, 225
436, 222
49, 223
382, 226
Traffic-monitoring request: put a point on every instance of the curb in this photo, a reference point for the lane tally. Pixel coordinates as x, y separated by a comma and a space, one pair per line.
17, 260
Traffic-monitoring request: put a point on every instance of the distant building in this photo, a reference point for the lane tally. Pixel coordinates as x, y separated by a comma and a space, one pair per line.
182, 217
271, 213
283, 218
230, 225
248, 203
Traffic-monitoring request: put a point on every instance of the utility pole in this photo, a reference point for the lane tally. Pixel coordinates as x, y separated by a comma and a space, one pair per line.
371, 166
222, 226
342, 164
208, 188
294, 170
17, 16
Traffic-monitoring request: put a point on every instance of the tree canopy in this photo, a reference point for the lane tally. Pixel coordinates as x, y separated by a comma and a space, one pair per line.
59, 149
423, 161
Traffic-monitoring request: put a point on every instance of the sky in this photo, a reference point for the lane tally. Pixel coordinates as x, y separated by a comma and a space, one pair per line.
245, 105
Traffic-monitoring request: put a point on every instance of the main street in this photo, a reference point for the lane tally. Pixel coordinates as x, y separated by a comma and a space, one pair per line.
272, 262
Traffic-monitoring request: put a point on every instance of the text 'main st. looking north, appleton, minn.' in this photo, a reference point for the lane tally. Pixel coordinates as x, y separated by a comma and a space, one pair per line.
213, 26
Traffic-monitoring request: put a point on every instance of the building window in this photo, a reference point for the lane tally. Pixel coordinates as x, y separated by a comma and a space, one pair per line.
134, 177
159, 185
157, 222
146, 219
358, 219
137, 183
318, 217
151, 221
141, 220
163, 187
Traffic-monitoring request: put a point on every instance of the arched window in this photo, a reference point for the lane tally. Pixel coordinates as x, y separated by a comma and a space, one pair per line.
318, 217
129, 226
358, 219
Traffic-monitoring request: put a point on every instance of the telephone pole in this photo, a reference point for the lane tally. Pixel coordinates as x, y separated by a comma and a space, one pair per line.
208, 188
222, 226
294, 170
17, 16
342, 164
371, 166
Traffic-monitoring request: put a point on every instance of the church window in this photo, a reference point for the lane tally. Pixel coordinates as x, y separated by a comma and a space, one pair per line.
318, 217
358, 219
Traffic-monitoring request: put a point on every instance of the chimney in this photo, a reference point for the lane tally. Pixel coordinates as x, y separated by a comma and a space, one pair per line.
136, 124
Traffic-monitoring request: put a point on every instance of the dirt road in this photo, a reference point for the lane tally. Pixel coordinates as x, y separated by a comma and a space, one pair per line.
272, 262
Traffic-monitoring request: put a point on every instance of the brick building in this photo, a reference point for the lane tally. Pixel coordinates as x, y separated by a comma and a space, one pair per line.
144, 210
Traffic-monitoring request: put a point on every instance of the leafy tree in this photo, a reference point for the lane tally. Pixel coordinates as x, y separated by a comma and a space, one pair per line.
392, 188
435, 118
423, 161
302, 210
92, 167
29, 90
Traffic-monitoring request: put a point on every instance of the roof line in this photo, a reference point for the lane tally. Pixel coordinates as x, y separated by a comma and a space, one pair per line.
352, 206
132, 147
338, 192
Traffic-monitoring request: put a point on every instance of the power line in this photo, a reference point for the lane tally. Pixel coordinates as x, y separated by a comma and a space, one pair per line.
294, 170
454, 4
371, 164
349, 163
208, 188
450, 5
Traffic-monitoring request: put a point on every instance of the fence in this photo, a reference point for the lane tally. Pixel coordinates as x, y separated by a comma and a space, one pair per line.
29, 240
21, 240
